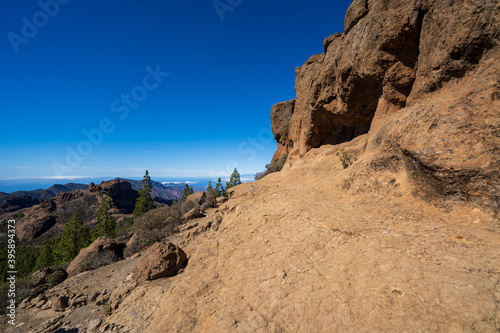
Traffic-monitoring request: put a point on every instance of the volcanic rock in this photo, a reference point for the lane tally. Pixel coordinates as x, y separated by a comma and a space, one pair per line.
102, 251
160, 260
198, 197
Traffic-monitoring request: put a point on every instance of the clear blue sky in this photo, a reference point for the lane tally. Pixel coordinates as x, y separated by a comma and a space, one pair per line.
78, 68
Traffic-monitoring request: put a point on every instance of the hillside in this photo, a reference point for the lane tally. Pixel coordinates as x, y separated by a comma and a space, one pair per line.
404, 238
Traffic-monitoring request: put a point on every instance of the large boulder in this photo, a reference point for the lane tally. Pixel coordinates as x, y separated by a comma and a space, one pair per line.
198, 197
192, 214
102, 251
161, 260
50, 276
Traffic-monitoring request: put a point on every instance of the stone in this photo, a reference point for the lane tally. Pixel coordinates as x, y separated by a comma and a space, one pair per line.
94, 325
60, 303
161, 260
102, 251
94, 296
198, 197
192, 214
51, 276
221, 200
78, 301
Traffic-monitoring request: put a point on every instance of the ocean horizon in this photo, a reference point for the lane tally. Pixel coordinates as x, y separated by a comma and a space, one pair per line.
10, 185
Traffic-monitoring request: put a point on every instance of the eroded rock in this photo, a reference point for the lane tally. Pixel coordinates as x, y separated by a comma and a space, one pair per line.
161, 260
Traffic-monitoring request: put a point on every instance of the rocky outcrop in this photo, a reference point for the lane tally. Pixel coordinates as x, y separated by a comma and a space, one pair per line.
198, 198
49, 276
47, 218
420, 77
120, 192
102, 251
192, 214
159, 261
281, 115
17, 203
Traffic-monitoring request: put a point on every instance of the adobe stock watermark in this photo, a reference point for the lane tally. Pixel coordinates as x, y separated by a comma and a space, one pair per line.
223, 6
30, 28
250, 148
11, 272
121, 107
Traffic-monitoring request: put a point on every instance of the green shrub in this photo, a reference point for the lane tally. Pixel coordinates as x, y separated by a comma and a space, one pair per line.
187, 206
346, 159
153, 226
272, 167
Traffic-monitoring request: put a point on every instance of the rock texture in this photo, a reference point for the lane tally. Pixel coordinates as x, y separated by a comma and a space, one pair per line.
50, 276
102, 251
421, 77
160, 260
198, 198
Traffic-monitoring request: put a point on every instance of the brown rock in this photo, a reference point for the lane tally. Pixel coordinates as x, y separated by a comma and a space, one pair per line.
60, 303
221, 200
192, 214
281, 115
198, 197
159, 261
94, 325
51, 276
383, 71
102, 251
102, 299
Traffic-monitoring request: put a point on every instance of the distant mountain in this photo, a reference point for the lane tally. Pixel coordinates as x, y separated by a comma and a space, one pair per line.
25, 199
170, 191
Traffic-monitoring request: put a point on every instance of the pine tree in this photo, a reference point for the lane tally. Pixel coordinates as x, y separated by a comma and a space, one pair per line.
75, 237
209, 187
234, 180
45, 258
106, 223
185, 193
220, 190
144, 201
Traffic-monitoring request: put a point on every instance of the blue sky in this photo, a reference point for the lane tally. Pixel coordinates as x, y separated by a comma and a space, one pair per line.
101, 67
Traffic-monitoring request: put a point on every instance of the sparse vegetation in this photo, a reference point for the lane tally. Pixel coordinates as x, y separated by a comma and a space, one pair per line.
106, 223
75, 237
234, 180
187, 206
153, 226
272, 167
144, 202
346, 158
186, 192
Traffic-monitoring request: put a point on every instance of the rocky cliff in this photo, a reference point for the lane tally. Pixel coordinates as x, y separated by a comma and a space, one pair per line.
421, 78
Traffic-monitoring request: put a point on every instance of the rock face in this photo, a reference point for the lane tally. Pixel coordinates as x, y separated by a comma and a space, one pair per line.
120, 192
198, 197
102, 251
420, 77
160, 260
